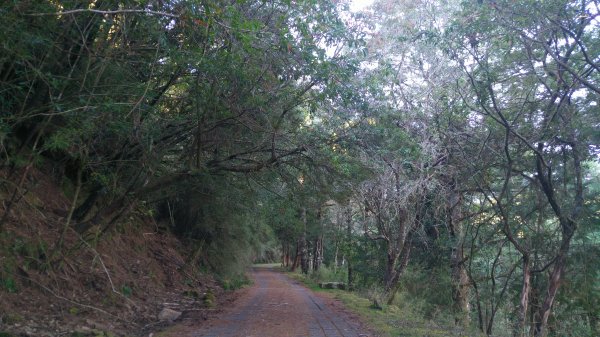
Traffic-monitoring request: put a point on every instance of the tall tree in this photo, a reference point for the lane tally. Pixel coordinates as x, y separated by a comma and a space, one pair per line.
530, 75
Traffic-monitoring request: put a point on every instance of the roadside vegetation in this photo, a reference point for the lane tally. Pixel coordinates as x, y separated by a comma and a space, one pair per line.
406, 316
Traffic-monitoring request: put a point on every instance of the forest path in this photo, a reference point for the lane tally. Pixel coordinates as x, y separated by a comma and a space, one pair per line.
277, 306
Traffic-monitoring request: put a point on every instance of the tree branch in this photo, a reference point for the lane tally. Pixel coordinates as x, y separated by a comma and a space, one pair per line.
97, 11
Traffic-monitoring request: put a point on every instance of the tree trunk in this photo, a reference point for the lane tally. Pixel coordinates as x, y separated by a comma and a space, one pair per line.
303, 255
339, 222
318, 253
567, 224
404, 258
460, 279
318, 249
303, 246
524, 299
285, 255
540, 329
460, 287
296, 257
478, 302
335, 256
348, 218
534, 302
390, 271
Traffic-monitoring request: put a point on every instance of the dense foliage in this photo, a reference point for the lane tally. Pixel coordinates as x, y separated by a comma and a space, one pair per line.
416, 147
156, 104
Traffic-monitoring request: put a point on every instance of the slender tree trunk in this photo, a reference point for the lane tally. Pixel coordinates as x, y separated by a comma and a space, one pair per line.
478, 302
335, 256
460, 279
339, 224
318, 253
541, 325
496, 306
534, 302
390, 271
567, 224
524, 298
348, 218
296, 256
67, 224
303, 255
460, 285
304, 261
321, 257
283, 255
318, 249
475, 286
404, 258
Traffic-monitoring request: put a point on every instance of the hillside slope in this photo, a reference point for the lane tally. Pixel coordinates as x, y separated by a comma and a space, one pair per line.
112, 283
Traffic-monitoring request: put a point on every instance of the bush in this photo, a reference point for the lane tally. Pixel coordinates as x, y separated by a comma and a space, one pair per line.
126, 290
235, 282
430, 291
8, 284
326, 274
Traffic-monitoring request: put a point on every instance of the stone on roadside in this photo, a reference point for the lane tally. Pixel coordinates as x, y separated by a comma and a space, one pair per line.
168, 315
332, 285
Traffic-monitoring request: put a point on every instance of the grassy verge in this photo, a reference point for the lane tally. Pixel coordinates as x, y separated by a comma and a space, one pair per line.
276, 266
392, 320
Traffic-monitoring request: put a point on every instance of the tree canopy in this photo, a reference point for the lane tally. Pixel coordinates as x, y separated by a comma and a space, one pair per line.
460, 137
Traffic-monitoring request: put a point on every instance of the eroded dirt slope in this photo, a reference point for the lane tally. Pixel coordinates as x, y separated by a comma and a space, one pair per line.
116, 282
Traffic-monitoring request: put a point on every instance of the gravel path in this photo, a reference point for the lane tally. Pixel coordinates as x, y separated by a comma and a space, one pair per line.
277, 306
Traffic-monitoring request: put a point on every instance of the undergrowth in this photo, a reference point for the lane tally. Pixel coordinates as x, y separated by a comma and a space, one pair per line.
234, 282
402, 319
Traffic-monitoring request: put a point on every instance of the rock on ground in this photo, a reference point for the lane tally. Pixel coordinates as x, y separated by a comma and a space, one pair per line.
168, 315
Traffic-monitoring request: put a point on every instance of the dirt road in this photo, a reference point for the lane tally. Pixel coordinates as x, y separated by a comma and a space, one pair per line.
277, 306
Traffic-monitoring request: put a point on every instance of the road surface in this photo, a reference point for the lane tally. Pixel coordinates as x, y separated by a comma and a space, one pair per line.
277, 306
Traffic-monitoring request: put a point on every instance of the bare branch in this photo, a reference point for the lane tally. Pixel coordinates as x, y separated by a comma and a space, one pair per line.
97, 11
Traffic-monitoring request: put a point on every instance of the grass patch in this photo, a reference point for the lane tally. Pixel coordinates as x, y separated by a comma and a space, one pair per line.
393, 320
307, 281
276, 266
235, 282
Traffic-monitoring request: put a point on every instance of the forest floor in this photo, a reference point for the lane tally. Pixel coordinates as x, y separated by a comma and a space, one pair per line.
275, 306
